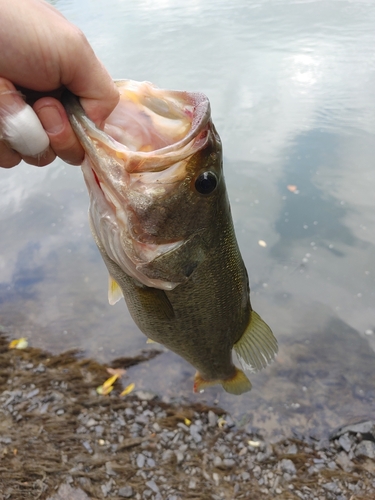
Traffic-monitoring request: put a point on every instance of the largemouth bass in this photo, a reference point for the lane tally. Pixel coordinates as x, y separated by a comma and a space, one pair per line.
160, 216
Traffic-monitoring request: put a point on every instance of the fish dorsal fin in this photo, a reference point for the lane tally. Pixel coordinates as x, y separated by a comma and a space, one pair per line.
257, 347
114, 291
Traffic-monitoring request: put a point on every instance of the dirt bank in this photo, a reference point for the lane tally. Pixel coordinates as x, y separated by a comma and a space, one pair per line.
59, 440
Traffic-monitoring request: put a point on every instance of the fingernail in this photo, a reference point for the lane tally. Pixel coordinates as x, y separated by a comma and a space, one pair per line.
51, 119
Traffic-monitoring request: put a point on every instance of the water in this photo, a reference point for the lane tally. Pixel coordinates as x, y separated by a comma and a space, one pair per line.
291, 86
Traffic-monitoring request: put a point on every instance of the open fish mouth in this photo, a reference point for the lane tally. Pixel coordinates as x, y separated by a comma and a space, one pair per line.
141, 155
149, 129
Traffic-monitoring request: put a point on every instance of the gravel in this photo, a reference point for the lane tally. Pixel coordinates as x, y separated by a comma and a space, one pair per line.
60, 440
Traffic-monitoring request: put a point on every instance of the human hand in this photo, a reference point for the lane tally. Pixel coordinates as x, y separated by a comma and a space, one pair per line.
43, 53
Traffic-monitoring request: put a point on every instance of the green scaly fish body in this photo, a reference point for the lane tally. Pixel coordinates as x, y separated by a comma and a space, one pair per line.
160, 216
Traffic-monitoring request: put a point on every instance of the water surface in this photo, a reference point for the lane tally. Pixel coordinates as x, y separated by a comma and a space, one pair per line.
291, 85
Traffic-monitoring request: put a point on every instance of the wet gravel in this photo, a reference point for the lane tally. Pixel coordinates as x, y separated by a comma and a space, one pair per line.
60, 440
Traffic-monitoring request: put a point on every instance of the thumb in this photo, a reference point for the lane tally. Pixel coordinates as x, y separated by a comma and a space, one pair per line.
92, 83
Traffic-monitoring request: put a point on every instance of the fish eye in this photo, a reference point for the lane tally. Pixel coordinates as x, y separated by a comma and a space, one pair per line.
206, 183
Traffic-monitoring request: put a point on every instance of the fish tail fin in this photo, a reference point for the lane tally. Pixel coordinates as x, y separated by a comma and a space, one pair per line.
114, 291
237, 384
257, 347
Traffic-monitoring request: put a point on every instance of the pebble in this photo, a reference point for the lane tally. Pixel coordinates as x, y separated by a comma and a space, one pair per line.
141, 461
153, 486
87, 445
287, 466
229, 462
344, 462
345, 442
365, 449
126, 492
332, 487
31, 394
145, 396
179, 456
195, 433
212, 419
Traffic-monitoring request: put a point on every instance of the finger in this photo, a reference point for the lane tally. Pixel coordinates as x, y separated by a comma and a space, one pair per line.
63, 140
8, 157
42, 159
84, 75
19, 125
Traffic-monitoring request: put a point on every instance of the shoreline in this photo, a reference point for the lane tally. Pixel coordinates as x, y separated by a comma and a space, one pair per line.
60, 439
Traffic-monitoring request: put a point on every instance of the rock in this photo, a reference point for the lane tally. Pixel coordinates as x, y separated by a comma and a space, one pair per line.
332, 487
106, 488
87, 446
345, 442
109, 470
5, 439
195, 433
31, 394
291, 450
287, 466
141, 461
229, 463
367, 427
344, 462
99, 429
179, 456
91, 422
212, 419
126, 492
365, 449
153, 486
66, 491
262, 457
167, 455
192, 484
145, 396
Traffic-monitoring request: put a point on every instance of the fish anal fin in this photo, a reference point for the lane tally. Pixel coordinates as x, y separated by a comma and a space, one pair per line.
258, 346
114, 291
238, 384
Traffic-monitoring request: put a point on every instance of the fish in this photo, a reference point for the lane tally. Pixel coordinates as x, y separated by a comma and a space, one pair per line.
160, 216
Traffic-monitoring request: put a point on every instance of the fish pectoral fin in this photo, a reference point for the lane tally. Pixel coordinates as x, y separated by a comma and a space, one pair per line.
238, 384
114, 291
154, 302
150, 341
258, 346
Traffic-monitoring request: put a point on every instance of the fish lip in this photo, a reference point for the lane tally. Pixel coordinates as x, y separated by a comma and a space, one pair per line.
157, 159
